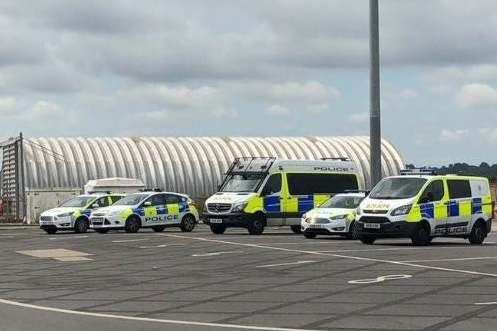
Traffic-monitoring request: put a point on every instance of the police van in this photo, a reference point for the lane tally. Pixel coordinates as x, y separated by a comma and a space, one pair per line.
334, 217
265, 191
155, 210
75, 213
421, 205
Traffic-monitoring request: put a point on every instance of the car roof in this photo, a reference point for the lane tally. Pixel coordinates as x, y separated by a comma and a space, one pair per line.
355, 194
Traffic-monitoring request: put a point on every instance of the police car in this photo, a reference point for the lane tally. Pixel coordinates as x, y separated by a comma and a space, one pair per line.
334, 217
156, 210
422, 205
75, 213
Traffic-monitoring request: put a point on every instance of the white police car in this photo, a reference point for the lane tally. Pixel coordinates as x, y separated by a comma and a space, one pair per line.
334, 217
74, 214
156, 210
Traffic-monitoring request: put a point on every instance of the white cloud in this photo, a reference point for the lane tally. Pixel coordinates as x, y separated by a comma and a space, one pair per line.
359, 118
8, 107
408, 93
277, 110
476, 95
453, 135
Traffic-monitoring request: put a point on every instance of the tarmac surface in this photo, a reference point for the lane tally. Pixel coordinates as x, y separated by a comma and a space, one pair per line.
277, 281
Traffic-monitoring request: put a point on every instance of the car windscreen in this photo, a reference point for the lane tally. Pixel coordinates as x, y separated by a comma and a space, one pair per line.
242, 183
342, 201
131, 200
397, 188
78, 202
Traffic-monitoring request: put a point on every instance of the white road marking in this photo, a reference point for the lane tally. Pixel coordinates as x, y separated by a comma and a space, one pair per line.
283, 264
145, 319
384, 249
485, 303
129, 240
216, 253
67, 237
456, 259
378, 279
59, 254
469, 272
160, 246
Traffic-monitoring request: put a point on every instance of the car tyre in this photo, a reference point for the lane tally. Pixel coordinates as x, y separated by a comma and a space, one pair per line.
421, 235
256, 227
297, 229
81, 225
132, 225
158, 228
353, 232
309, 235
187, 223
478, 234
217, 229
367, 240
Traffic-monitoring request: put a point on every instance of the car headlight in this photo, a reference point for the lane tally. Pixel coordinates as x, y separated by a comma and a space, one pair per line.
65, 214
402, 210
337, 217
239, 207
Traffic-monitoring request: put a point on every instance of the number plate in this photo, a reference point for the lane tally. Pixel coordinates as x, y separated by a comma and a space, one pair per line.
316, 226
216, 220
97, 219
372, 225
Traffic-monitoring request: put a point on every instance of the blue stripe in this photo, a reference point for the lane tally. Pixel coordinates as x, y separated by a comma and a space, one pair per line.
427, 210
139, 211
477, 206
306, 203
86, 212
183, 207
453, 208
272, 203
161, 210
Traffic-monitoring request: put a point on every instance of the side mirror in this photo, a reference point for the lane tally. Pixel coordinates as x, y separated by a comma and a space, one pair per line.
147, 204
95, 206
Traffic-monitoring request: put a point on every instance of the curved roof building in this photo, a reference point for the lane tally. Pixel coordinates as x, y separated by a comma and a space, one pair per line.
193, 165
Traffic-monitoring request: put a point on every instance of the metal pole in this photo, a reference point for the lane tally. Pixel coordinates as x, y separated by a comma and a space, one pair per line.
374, 93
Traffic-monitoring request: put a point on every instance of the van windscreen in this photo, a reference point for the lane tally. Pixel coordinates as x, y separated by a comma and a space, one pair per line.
397, 188
242, 182
315, 183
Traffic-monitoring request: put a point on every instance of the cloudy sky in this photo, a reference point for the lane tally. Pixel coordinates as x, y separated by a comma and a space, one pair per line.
230, 67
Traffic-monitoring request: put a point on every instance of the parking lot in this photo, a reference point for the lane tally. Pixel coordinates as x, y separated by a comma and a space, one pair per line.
201, 281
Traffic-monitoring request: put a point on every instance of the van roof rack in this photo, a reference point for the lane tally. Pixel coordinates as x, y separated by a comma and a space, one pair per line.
337, 158
249, 165
419, 171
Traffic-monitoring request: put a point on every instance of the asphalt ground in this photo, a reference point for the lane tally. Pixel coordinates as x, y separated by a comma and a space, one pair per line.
277, 281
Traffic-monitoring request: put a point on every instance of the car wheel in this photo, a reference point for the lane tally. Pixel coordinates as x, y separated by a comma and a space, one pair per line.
187, 223
309, 235
132, 225
296, 229
367, 240
102, 231
217, 229
421, 235
478, 234
256, 227
81, 225
158, 228
353, 232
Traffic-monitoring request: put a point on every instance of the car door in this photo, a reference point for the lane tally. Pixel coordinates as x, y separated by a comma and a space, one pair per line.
459, 206
155, 212
433, 207
273, 200
173, 209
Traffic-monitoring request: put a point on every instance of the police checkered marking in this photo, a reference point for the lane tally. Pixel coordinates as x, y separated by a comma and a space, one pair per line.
272, 204
306, 203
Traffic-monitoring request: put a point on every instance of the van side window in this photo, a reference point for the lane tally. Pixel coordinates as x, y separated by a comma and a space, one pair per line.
434, 192
459, 188
315, 183
273, 185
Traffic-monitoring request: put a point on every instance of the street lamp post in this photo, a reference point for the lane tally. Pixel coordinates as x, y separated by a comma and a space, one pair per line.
374, 93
